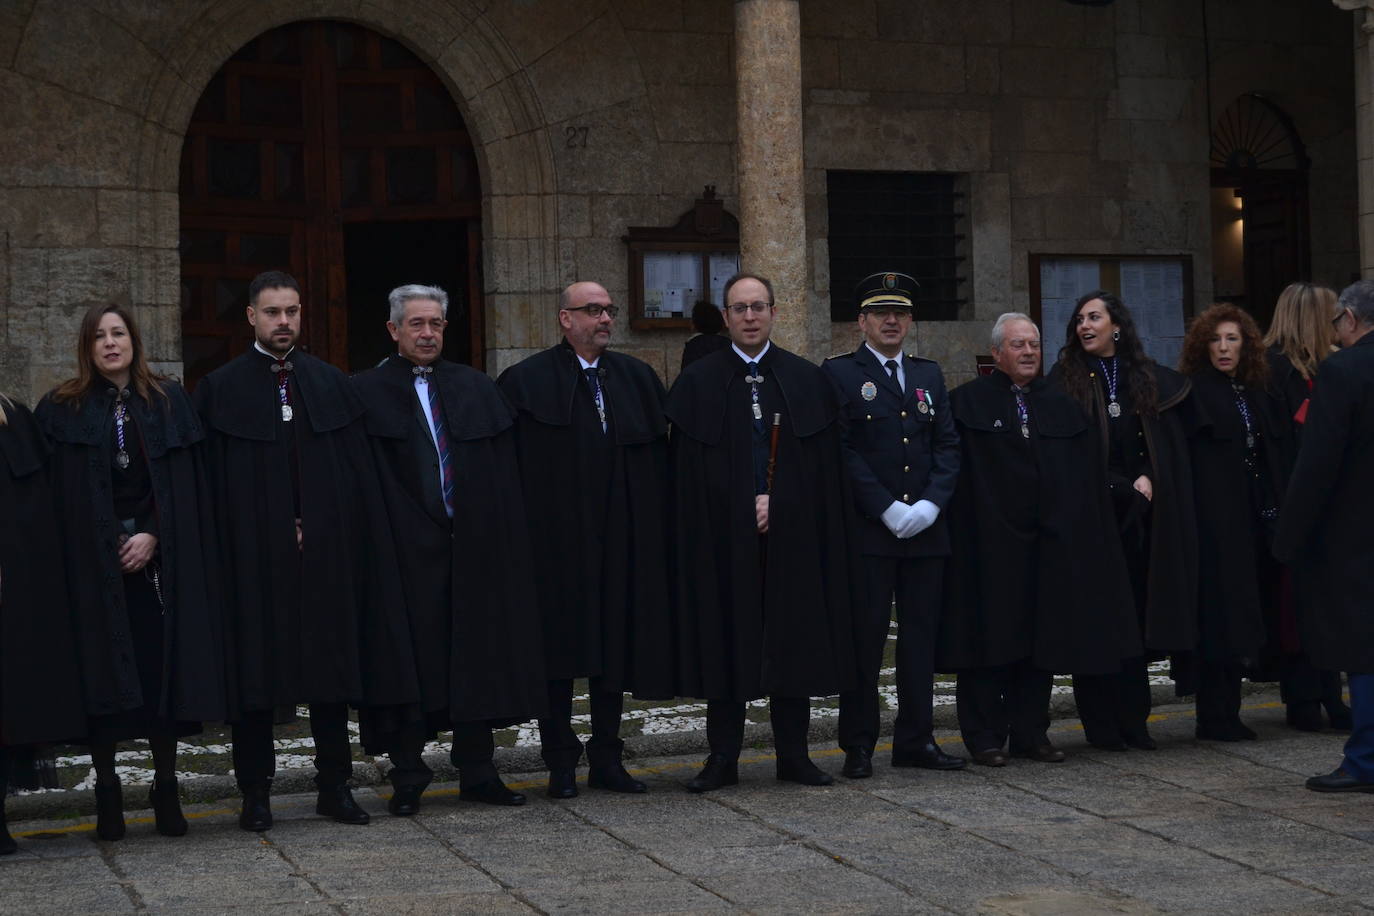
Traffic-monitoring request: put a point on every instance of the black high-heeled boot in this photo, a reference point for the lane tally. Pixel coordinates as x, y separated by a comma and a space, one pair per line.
109, 811
166, 805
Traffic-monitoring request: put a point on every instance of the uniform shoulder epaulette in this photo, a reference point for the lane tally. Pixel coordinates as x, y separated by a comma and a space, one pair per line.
919, 359
841, 355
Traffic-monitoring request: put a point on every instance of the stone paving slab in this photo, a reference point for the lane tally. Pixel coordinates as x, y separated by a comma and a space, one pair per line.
1196, 827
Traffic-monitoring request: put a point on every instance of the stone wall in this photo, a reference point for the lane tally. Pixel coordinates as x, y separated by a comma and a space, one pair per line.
1081, 130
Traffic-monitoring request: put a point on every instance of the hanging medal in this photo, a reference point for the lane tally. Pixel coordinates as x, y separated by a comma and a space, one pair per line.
1244, 409
282, 369
121, 417
923, 400
1111, 375
1022, 413
754, 382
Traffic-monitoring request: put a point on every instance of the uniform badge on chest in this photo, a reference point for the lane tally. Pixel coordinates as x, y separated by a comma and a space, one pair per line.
868, 390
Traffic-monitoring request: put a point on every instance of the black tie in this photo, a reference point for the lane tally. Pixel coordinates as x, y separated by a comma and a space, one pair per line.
891, 365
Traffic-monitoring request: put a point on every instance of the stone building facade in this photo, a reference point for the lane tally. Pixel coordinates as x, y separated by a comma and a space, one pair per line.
1072, 127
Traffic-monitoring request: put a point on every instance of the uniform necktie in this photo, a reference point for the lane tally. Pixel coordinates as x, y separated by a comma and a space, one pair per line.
440, 442
593, 375
891, 365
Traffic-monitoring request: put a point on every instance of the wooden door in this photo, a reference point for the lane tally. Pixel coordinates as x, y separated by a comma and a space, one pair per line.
308, 131
1276, 244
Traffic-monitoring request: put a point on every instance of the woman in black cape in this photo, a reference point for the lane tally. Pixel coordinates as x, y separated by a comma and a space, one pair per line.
130, 500
40, 684
1242, 453
1137, 406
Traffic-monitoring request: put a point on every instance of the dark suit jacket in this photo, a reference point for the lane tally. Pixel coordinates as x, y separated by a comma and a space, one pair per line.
894, 449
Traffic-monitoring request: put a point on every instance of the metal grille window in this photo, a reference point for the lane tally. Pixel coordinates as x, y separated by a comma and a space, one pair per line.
912, 222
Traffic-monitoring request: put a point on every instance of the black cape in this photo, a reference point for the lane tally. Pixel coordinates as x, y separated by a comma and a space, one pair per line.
1036, 570
40, 682
747, 625
1323, 531
461, 639
294, 615
1239, 577
598, 514
193, 688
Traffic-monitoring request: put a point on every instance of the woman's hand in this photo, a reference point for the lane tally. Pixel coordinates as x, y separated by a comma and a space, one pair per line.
137, 552
1143, 486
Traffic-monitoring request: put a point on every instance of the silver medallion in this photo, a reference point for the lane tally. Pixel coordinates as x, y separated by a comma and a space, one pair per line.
758, 412
1114, 409
122, 459
1025, 431
286, 412
923, 407
1249, 441
868, 391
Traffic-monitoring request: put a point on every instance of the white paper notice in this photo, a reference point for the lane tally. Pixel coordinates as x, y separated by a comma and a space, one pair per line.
1153, 291
723, 266
1062, 281
672, 281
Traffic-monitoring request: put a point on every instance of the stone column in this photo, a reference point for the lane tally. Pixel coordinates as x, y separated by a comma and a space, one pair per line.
1364, 127
772, 203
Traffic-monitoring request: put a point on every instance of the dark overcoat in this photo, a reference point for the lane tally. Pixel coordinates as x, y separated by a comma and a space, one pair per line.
755, 621
1324, 530
461, 632
193, 686
294, 614
598, 517
1036, 570
40, 682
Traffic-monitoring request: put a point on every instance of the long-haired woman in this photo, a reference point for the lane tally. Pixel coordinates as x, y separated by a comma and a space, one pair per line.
40, 684
1136, 405
129, 499
1242, 453
1299, 338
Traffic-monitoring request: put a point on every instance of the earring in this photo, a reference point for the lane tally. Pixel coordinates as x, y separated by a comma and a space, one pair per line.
1116, 335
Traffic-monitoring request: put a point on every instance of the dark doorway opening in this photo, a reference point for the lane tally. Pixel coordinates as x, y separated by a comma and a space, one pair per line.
382, 256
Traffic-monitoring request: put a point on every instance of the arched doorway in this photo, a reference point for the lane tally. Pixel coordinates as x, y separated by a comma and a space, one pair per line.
1260, 227
333, 152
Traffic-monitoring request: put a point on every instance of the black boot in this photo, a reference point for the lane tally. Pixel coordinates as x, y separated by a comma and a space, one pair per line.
166, 804
109, 811
337, 802
256, 815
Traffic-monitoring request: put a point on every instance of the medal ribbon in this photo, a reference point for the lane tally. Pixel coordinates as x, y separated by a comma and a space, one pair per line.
1111, 376
282, 368
1244, 409
593, 376
1022, 412
121, 415
755, 379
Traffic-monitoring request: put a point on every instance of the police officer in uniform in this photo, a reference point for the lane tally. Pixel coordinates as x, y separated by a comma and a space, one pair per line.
902, 455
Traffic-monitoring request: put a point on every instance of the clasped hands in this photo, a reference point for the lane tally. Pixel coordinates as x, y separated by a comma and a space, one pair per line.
908, 521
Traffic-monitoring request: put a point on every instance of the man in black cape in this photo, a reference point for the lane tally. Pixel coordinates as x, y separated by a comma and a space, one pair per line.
766, 566
293, 483
592, 442
1324, 531
1036, 582
464, 641
902, 454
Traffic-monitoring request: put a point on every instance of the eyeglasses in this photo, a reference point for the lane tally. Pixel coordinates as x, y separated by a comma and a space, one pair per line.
596, 310
758, 308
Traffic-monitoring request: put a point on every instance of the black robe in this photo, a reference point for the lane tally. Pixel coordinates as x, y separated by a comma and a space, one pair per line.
755, 621
598, 516
1323, 531
1239, 581
193, 678
40, 682
1036, 570
294, 615
461, 642
1169, 616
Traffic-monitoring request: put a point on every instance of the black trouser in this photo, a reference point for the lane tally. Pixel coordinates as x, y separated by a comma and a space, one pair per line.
559, 744
1303, 683
790, 716
1114, 706
1218, 692
1004, 701
255, 760
915, 582
471, 753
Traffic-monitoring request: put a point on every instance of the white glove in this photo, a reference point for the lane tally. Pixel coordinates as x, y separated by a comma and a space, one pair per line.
919, 516
894, 515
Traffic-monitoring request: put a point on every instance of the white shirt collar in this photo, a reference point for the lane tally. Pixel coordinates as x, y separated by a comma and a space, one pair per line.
746, 357
883, 359
585, 364
270, 355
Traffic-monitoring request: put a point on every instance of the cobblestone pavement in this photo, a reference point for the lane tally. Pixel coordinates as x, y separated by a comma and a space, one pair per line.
1193, 827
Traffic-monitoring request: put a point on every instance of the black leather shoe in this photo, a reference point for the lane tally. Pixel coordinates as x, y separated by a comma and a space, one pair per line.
1141, 742
992, 757
109, 812
928, 757
1338, 780
562, 784
256, 814
1041, 753
337, 802
858, 763
7, 844
1305, 716
166, 805
803, 772
614, 778
405, 800
1225, 731
718, 771
492, 792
